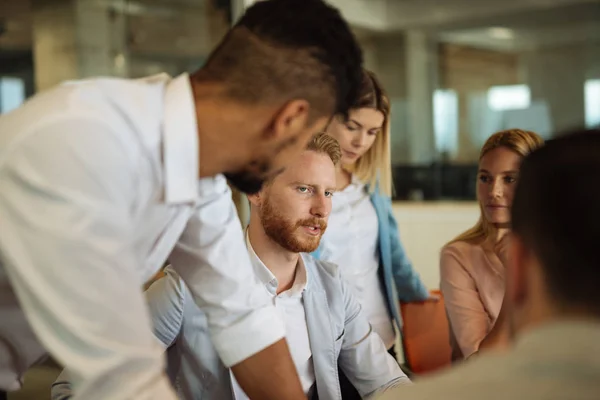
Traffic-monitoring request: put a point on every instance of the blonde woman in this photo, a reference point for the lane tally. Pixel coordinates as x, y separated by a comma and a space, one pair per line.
472, 265
362, 235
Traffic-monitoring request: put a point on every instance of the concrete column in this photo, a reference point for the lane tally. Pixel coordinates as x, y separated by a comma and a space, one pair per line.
77, 39
406, 64
390, 68
421, 81
556, 76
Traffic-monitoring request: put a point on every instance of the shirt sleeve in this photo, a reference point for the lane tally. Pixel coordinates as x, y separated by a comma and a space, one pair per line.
363, 356
166, 302
212, 259
468, 319
67, 248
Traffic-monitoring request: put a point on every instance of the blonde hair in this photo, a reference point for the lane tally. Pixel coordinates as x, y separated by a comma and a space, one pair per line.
375, 167
521, 142
323, 143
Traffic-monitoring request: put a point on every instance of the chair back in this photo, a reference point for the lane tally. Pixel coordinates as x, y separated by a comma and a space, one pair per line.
425, 335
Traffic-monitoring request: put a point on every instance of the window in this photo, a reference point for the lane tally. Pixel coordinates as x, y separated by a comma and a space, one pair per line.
12, 93
592, 102
445, 121
511, 97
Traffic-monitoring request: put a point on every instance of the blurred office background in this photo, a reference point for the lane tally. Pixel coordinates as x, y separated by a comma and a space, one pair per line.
456, 71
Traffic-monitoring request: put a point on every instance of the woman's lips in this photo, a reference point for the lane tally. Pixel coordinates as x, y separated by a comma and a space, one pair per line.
350, 154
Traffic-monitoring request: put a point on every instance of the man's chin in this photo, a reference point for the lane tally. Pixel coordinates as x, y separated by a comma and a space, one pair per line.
309, 245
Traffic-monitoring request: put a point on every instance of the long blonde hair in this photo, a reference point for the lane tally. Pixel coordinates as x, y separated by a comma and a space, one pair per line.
521, 142
375, 167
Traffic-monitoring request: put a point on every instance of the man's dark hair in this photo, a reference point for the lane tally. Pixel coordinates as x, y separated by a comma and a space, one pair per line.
289, 49
556, 212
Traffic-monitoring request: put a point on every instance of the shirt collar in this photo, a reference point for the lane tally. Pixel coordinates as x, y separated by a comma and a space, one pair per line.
355, 185
180, 142
356, 181
270, 281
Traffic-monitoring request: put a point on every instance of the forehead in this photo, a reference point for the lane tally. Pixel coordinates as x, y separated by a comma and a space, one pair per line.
311, 168
368, 117
500, 159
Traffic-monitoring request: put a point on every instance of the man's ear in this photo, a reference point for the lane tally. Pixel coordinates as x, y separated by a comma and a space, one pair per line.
289, 121
516, 271
255, 199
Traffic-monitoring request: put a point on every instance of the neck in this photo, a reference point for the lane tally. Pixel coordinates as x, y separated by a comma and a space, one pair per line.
281, 262
343, 177
495, 235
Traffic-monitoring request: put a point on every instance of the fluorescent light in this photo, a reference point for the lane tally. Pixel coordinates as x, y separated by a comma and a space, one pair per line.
510, 97
501, 33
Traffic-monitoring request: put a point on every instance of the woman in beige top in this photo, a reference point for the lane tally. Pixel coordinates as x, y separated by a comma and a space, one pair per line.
472, 265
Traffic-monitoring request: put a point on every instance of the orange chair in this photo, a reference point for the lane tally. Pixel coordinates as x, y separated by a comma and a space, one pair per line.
425, 335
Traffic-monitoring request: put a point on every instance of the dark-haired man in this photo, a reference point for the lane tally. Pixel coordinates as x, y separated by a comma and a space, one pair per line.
552, 287
99, 184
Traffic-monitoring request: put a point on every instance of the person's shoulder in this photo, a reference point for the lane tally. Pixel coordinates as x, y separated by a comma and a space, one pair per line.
461, 249
470, 380
320, 267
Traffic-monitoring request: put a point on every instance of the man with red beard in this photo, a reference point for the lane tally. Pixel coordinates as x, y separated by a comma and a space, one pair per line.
325, 327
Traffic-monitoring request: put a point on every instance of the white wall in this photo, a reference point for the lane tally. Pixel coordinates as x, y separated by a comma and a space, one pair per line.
426, 227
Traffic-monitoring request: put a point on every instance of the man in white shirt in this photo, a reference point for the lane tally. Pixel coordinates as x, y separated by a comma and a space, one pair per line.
99, 185
552, 294
325, 325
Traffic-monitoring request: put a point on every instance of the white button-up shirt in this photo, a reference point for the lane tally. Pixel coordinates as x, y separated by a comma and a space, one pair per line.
352, 242
98, 186
291, 308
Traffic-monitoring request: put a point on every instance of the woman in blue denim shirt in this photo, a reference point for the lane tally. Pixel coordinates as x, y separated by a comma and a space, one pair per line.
362, 235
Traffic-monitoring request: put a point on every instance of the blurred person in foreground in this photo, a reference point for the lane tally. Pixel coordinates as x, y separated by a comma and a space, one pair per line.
325, 325
103, 180
552, 297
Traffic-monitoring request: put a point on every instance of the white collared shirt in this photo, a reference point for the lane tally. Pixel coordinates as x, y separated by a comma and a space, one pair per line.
290, 306
98, 186
351, 241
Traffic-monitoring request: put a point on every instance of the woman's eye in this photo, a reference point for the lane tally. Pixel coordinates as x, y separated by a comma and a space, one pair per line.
484, 178
510, 179
302, 189
351, 128
328, 194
